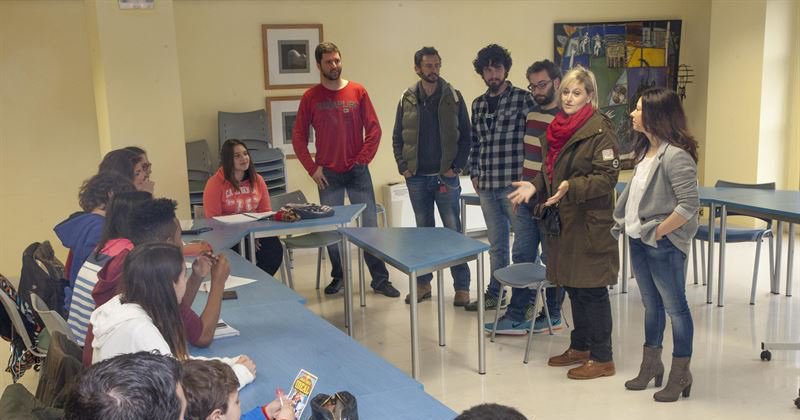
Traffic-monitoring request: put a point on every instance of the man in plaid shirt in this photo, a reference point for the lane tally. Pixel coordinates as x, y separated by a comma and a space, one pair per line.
498, 128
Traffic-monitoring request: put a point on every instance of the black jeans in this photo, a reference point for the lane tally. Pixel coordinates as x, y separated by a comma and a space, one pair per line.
591, 314
357, 182
269, 256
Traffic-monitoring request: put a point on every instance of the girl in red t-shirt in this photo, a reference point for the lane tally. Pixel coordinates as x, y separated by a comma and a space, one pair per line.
237, 188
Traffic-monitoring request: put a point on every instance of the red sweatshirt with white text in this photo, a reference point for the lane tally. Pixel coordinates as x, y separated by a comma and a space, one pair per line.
346, 128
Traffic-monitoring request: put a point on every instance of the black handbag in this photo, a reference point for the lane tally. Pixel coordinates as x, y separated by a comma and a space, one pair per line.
547, 219
339, 406
310, 210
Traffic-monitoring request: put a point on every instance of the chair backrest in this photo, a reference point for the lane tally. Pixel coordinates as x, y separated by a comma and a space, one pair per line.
52, 320
243, 126
281, 200
198, 157
17, 324
763, 186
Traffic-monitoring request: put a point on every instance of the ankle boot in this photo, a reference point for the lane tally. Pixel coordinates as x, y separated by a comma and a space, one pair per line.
651, 368
679, 382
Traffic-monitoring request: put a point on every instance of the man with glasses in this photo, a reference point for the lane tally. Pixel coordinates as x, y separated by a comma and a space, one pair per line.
431, 143
496, 160
544, 79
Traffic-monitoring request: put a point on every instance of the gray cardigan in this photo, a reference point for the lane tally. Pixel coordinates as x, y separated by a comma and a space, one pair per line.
671, 185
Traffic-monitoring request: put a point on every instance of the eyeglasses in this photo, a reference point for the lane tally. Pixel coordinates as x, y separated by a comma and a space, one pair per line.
539, 86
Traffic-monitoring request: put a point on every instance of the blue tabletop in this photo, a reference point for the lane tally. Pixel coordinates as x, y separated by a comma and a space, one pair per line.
265, 290
780, 204
225, 235
284, 337
415, 249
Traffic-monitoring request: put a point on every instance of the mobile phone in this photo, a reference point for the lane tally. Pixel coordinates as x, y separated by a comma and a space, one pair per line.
229, 294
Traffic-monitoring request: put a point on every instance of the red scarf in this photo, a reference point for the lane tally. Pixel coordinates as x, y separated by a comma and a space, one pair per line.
561, 130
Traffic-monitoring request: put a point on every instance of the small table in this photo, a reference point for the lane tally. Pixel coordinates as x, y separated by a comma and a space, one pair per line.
417, 251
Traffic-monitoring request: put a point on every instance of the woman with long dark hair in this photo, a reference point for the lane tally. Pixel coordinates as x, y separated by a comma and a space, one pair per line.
577, 182
658, 212
238, 188
132, 163
145, 315
113, 240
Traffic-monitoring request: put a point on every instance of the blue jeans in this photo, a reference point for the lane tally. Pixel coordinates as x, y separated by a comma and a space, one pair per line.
499, 216
424, 190
661, 276
357, 182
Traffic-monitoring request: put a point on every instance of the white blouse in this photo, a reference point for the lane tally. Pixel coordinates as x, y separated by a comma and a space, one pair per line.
633, 226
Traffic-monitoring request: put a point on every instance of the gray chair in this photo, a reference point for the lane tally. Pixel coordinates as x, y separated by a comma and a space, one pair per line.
319, 240
524, 275
52, 319
243, 126
737, 235
19, 326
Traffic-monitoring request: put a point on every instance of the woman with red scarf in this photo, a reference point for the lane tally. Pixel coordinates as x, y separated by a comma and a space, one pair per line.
577, 186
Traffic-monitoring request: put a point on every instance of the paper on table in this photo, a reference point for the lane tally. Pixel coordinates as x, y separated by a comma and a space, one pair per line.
187, 224
233, 281
243, 217
224, 330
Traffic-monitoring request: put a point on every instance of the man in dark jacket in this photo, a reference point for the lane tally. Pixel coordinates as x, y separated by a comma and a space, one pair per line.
431, 142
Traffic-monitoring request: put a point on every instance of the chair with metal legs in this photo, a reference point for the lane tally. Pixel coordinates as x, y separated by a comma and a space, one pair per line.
523, 275
737, 235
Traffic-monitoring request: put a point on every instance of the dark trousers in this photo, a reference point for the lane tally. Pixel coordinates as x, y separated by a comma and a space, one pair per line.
357, 183
269, 256
591, 314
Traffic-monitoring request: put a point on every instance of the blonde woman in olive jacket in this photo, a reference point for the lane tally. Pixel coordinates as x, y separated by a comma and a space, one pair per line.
578, 176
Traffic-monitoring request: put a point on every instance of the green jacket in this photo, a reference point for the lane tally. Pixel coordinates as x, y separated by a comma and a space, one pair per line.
454, 130
585, 254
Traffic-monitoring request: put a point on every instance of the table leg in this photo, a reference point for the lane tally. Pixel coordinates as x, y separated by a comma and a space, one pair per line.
723, 221
481, 335
362, 293
252, 248
344, 245
463, 206
789, 263
440, 302
776, 282
412, 287
242, 247
625, 258
710, 279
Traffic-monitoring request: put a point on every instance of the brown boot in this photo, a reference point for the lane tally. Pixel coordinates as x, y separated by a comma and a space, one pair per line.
592, 369
462, 298
679, 382
569, 357
423, 292
651, 368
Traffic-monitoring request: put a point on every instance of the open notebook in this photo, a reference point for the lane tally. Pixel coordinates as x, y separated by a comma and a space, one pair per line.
244, 217
233, 281
224, 330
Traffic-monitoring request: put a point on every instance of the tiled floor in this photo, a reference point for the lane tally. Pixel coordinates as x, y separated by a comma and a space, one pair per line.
730, 381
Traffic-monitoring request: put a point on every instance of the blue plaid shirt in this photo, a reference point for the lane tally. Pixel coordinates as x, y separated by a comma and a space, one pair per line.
497, 150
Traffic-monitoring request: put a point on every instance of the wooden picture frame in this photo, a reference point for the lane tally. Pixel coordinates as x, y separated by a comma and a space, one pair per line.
281, 115
289, 55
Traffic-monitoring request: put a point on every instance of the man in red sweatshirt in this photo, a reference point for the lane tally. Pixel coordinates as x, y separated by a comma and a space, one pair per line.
348, 134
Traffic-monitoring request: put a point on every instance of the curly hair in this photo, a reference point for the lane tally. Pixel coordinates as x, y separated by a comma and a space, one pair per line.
491, 412
121, 161
96, 192
153, 220
492, 55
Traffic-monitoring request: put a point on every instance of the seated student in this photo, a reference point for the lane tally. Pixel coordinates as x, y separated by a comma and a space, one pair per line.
81, 231
487, 412
212, 393
238, 188
113, 240
145, 315
132, 386
154, 221
130, 163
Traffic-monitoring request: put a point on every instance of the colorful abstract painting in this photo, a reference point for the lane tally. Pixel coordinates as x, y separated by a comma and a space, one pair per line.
626, 58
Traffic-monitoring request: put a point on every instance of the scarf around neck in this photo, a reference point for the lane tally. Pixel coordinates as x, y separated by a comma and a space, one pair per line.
561, 130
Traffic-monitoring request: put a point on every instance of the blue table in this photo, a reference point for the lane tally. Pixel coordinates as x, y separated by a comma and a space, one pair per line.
417, 251
226, 235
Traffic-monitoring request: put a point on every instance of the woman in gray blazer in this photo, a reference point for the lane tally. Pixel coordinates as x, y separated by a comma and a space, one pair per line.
658, 211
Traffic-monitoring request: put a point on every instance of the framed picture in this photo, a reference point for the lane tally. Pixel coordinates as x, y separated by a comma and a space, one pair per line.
289, 55
282, 114
626, 58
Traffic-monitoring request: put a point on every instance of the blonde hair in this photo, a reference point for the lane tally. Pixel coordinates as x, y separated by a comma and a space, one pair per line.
584, 76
